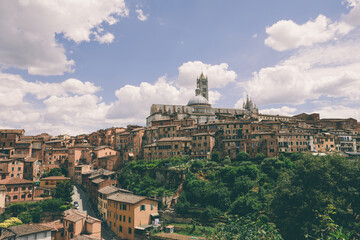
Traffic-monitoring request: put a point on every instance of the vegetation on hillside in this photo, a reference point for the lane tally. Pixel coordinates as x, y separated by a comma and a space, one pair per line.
295, 196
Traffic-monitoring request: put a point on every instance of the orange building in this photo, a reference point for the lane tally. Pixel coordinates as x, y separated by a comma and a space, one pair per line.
128, 213
325, 143
18, 189
8, 137
13, 168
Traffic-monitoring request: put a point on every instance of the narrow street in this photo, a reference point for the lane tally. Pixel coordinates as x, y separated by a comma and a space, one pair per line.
82, 198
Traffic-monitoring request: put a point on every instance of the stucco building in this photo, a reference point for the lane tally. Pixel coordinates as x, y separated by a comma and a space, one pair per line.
128, 213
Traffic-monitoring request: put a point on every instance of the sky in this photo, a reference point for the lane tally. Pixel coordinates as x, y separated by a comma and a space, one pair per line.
73, 67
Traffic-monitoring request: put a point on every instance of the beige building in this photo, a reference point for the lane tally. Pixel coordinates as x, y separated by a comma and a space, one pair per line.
50, 182
103, 194
129, 214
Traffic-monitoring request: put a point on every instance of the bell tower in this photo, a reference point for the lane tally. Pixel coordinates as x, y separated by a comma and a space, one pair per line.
202, 84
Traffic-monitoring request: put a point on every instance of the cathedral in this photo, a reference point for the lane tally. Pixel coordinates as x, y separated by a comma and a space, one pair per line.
199, 108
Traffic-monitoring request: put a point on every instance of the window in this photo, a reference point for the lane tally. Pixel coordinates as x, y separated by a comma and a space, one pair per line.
23, 196
29, 188
120, 218
15, 197
9, 189
142, 208
29, 195
124, 206
124, 218
15, 189
130, 230
152, 206
129, 219
120, 228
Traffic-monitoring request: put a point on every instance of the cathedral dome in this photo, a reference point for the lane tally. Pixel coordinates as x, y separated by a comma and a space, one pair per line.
198, 100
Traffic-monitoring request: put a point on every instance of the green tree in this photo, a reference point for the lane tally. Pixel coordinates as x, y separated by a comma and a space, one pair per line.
243, 228
64, 191
259, 158
53, 172
242, 157
215, 156
308, 188
244, 205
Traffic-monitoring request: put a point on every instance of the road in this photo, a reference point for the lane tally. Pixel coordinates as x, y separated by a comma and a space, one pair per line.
83, 199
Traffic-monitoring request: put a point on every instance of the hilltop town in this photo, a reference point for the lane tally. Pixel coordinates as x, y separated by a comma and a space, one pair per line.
177, 139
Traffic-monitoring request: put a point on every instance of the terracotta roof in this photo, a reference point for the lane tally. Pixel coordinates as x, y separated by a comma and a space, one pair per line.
102, 147
98, 180
30, 159
55, 178
126, 198
112, 189
12, 130
25, 229
55, 225
10, 181
101, 172
108, 190
74, 215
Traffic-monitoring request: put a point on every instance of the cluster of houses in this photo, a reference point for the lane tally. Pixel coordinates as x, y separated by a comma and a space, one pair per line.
195, 130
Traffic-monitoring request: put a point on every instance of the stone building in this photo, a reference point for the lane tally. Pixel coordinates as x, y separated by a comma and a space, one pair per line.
198, 108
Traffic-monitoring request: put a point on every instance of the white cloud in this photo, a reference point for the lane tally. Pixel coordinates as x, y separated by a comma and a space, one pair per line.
353, 17
138, 99
330, 70
339, 112
52, 107
106, 38
218, 75
284, 110
30, 27
14, 88
141, 15
72, 107
135, 101
286, 34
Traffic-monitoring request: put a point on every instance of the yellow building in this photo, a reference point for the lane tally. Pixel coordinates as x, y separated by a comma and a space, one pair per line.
50, 182
129, 214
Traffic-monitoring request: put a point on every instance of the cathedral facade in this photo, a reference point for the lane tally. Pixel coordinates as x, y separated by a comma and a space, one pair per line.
199, 108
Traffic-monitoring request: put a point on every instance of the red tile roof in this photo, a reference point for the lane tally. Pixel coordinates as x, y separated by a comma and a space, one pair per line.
9, 181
